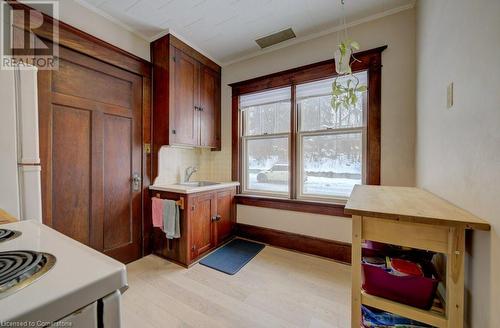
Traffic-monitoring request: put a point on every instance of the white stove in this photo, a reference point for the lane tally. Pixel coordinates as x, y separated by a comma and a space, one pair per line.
60, 280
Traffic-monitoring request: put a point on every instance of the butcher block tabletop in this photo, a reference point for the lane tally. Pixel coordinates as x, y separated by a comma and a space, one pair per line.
410, 205
6, 217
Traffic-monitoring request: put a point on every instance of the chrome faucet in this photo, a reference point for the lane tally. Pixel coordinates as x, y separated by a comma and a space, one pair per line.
190, 170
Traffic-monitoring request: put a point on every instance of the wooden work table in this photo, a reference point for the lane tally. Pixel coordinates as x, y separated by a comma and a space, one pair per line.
414, 218
6, 217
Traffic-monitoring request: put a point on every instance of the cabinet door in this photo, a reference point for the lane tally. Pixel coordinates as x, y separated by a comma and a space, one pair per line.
201, 223
209, 107
184, 128
225, 214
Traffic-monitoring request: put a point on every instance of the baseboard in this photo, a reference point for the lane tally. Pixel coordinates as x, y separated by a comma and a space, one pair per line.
331, 249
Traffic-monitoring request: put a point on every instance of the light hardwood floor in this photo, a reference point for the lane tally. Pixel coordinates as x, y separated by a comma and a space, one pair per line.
278, 288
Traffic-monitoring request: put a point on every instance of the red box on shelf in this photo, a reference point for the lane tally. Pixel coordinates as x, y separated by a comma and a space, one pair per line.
411, 290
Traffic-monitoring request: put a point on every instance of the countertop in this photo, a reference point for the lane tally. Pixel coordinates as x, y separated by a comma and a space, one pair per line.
180, 189
409, 204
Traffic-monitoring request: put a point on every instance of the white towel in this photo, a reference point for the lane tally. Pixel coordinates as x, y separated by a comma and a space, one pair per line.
171, 225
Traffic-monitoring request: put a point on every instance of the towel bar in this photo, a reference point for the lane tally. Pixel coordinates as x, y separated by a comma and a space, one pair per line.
179, 202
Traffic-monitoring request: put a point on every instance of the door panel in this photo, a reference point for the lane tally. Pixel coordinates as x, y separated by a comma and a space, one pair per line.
209, 118
71, 129
185, 116
99, 86
117, 191
225, 209
202, 234
91, 143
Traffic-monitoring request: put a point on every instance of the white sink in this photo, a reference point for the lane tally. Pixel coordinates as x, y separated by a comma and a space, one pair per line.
198, 183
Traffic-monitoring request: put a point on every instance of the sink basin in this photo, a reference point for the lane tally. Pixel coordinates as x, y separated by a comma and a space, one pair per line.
198, 183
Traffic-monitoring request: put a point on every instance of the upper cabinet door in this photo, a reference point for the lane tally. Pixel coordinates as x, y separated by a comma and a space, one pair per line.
184, 114
209, 107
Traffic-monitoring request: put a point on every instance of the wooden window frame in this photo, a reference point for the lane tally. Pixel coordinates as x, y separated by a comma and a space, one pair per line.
369, 61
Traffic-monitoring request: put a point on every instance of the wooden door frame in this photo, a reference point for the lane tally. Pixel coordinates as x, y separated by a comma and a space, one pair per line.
80, 41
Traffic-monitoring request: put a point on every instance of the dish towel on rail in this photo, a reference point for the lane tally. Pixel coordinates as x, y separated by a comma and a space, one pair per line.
171, 225
166, 216
157, 211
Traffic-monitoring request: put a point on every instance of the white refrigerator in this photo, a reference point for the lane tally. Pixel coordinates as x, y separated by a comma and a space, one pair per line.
20, 188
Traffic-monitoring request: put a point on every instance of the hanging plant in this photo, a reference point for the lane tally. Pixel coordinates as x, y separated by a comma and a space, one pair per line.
345, 94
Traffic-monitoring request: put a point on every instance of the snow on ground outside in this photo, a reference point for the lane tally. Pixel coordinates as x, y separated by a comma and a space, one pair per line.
313, 186
326, 165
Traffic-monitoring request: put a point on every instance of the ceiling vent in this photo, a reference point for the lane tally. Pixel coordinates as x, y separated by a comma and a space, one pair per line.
275, 38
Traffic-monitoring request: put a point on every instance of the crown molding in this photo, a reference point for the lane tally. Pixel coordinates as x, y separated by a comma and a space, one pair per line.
282, 45
316, 35
112, 19
186, 41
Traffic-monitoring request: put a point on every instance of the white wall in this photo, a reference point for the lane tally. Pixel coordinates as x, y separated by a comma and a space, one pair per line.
83, 18
398, 114
458, 149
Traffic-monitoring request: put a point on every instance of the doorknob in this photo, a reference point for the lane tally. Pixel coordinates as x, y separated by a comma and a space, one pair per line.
136, 182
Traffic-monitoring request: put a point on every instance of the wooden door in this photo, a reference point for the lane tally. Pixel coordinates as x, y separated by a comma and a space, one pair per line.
226, 214
201, 223
90, 142
183, 112
209, 107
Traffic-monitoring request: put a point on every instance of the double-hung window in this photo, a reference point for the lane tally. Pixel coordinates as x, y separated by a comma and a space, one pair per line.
266, 141
330, 142
290, 144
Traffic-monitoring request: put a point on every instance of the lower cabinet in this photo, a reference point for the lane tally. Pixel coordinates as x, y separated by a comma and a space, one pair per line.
202, 226
207, 220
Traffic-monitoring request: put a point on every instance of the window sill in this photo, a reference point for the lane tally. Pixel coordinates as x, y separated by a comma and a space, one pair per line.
293, 205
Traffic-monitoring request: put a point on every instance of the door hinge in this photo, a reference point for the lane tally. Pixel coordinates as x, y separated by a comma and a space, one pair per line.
193, 248
173, 58
174, 132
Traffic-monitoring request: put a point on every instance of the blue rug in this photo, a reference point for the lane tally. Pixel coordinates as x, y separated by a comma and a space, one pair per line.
233, 256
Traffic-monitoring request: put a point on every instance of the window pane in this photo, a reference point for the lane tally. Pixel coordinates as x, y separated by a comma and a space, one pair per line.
267, 165
331, 164
316, 113
266, 112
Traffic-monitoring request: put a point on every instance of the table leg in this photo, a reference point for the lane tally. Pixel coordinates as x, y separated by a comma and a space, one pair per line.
455, 277
356, 271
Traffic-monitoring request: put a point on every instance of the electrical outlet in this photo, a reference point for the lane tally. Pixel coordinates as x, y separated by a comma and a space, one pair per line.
449, 96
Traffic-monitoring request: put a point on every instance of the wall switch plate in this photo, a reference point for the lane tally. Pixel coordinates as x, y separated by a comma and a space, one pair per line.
449, 96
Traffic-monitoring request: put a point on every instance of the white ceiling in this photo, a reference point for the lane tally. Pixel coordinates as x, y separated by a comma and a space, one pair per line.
225, 30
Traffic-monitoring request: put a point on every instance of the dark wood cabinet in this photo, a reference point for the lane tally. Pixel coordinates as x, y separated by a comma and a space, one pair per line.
186, 96
202, 224
209, 107
207, 221
226, 218
184, 129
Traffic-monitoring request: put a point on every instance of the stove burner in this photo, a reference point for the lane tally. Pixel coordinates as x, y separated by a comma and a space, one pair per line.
18, 269
6, 234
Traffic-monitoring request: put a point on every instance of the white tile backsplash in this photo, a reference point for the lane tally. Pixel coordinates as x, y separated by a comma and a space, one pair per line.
174, 160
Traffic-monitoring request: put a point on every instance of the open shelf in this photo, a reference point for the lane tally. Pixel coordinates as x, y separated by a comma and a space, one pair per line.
431, 317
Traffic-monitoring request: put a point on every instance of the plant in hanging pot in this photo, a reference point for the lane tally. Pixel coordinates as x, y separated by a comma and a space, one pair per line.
343, 56
346, 86
345, 92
